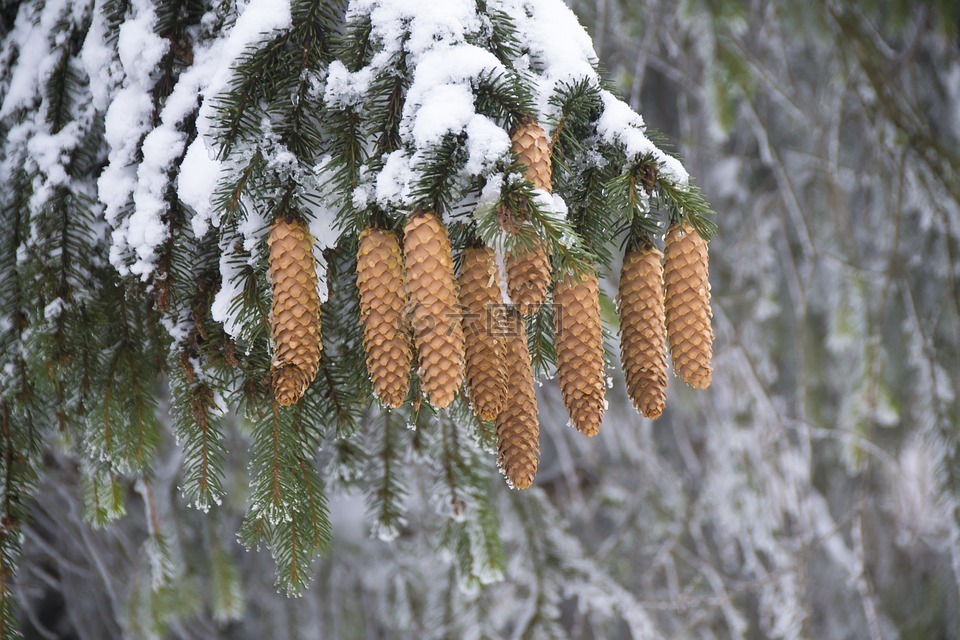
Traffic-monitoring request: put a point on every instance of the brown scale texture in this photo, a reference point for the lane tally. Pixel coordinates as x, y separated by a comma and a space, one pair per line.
688, 305
532, 146
643, 330
383, 304
295, 318
480, 299
528, 278
434, 308
579, 344
518, 428
528, 270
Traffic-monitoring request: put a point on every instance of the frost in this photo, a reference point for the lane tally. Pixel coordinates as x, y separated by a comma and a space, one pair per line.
385, 532
502, 270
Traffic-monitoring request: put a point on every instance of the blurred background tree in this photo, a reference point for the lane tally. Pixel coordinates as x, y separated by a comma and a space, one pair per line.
814, 491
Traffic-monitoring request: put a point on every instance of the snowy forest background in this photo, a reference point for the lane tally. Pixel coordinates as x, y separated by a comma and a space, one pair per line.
812, 492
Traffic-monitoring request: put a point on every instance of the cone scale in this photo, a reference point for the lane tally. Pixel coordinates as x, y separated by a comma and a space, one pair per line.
434, 308
480, 299
295, 317
688, 305
383, 304
643, 330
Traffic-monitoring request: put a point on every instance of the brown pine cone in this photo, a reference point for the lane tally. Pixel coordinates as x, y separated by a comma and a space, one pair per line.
296, 310
579, 345
688, 305
434, 308
480, 300
528, 278
643, 330
518, 426
383, 305
532, 146
528, 269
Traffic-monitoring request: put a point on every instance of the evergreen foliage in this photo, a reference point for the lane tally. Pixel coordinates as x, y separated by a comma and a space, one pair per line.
147, 147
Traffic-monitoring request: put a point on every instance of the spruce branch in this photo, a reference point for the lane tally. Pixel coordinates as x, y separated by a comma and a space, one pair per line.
387, 492
199, 429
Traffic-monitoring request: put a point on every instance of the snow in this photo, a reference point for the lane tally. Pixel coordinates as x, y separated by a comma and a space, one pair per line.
51, 153
32, 34
54, 309
139, 47
446, 69
487, 144
446, 109
621, 124
345, 89
556, 45
502, 279
230, 288
440, 99
134, 193
100, 61
395, 181
200, 170
414, 26
127, 121
196, 180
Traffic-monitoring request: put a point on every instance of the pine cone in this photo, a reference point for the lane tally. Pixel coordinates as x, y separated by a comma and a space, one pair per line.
480, 299
528, 270
643, 330
579, 345
434, 308
518, 428
688, 305
383, 303
528, 278
532, 146
296, 310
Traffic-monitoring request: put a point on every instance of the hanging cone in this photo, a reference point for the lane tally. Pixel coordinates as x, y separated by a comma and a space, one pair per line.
383, 303
643, 330
528, 269
518, 428
579, 344
532, 146
480, 299
296, 310
528, 279
688, 305
434, 308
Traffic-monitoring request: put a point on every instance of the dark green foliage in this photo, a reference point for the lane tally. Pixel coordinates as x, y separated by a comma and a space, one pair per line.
101, 363
288, 511
123, 426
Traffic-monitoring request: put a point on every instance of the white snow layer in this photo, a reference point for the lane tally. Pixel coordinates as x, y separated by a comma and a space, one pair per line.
128, 119
200, 169
435, 38
133, 193
32, 34
37, 43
